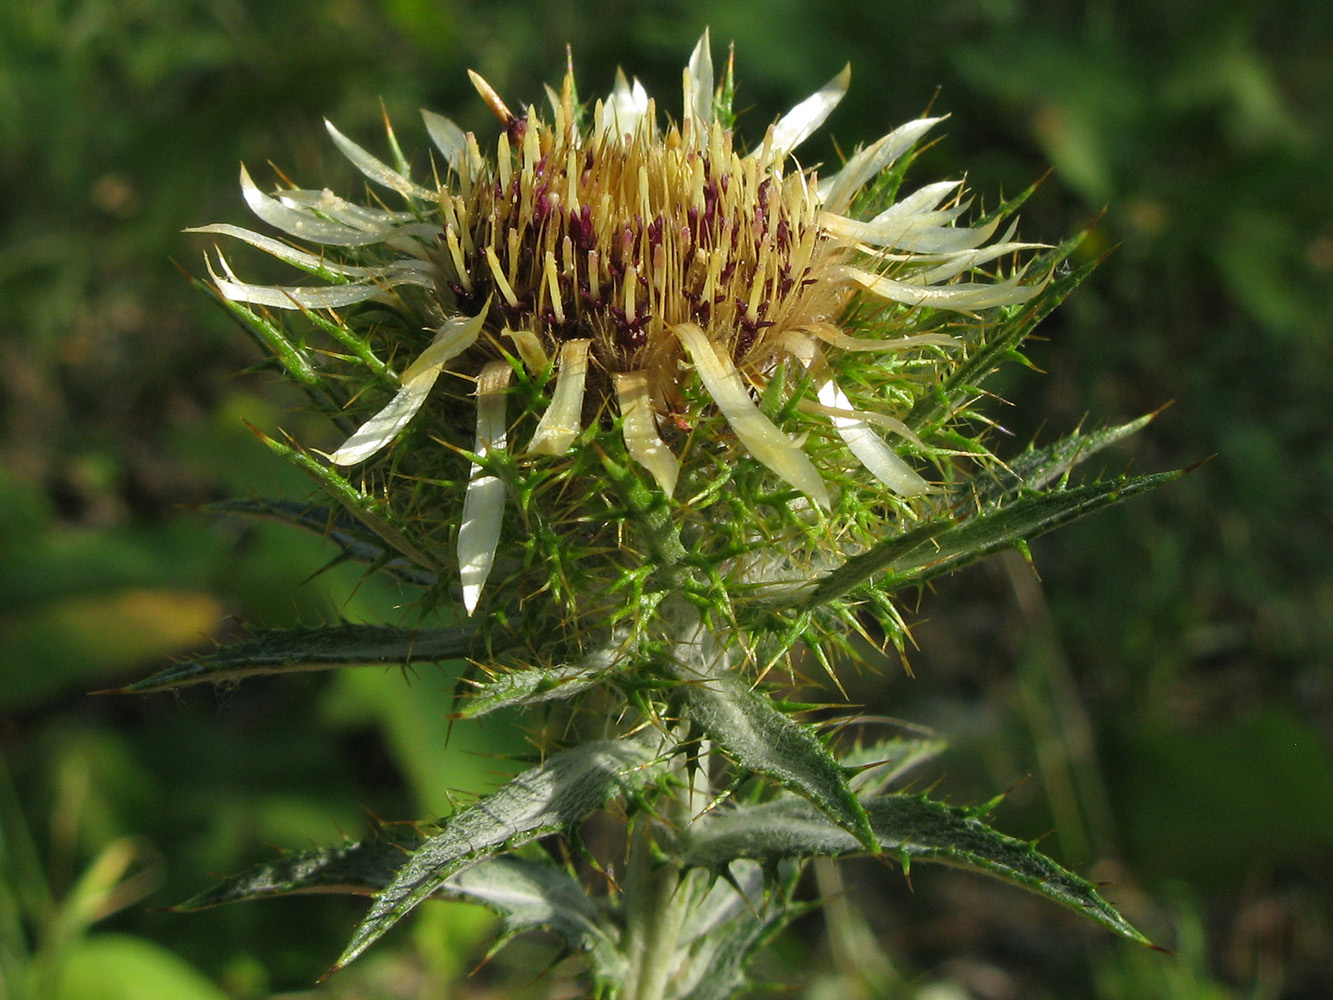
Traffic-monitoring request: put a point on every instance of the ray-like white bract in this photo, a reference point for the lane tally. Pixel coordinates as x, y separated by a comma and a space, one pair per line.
761, 436
952, 265
483, 504
451, 340
410, 271
921, 201
836, 192
871, 450
800, 122
697, 105
562, 421
291, 296
626, 107
374, 169
963, 296
449, 139
639, 430
305, 224
831, 334
916, 233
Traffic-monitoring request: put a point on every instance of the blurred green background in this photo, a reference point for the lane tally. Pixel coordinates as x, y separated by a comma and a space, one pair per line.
1165, 691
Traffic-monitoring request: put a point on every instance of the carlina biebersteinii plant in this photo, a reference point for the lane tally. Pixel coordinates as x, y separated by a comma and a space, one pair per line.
642, 423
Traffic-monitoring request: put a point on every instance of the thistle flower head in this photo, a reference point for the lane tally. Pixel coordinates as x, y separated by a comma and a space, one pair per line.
656, 290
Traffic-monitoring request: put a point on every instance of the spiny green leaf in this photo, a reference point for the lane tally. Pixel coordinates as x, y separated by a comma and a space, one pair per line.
913, 828
929, 551
359, 868
859, 569
328, 647
354, 538
526, 894
529, 894
719, 969
550, 798
1009, 206
728, 925
1037, 468
1020, 521
535, 685
885, 763
721, 900
357, 344
759, 737
532, 686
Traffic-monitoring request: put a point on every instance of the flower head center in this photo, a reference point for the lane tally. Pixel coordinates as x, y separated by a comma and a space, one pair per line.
618, 236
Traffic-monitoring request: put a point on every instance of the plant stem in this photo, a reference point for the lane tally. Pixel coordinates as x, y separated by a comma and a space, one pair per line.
656, 903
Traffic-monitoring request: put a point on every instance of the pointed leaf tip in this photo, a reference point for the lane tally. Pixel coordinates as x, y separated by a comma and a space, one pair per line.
914, 828
765, 740
550, 798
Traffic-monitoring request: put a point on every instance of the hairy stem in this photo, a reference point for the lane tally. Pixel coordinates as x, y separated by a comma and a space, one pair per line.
656, 904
